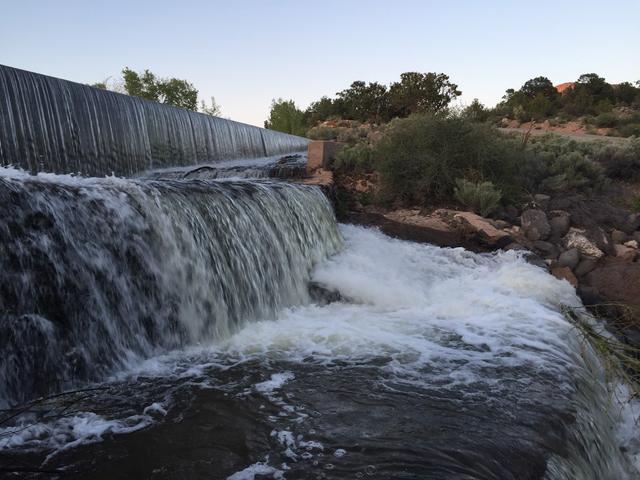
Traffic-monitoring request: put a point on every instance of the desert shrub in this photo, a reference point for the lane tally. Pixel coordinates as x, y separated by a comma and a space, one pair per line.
621, 161
559, 164
354, 158
420, 157
322, 132
605, 120
573, 172
629, 130
481, 197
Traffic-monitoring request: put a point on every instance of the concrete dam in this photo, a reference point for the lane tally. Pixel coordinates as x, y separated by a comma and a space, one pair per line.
52, 125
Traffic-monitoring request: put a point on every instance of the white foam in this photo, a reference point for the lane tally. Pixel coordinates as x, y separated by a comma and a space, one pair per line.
276, 382
259, 468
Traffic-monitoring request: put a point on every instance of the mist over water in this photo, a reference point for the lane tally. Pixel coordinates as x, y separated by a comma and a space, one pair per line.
185, 307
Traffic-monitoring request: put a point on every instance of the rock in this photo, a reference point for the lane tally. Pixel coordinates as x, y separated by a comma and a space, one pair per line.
625, 253
549, 250
569, 259
512, 213
565, 273
560, 221
534, 259
631, 244
475, 224
542, 200
618, 282
500, 224
535, 224
636, 237
577, 238
585, 266
618, 236
632, 223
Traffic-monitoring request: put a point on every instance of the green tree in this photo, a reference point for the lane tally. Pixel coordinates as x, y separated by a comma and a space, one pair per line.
421, 92
286, 117
476, 112
324, 109
365, 102
172, 91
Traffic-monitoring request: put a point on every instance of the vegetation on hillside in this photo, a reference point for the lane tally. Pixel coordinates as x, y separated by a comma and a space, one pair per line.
426, 159
369, 102
590, 100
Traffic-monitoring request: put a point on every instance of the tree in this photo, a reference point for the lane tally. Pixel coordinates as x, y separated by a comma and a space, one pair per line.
286, 117
540, 86
626, 93
173, 91
324, 109
421, 92
365, 102
214, 109
476, 112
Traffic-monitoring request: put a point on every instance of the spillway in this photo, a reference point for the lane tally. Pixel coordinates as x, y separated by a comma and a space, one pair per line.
52, 125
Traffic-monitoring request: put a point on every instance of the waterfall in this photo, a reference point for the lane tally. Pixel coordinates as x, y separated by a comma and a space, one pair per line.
53, 125
95, 273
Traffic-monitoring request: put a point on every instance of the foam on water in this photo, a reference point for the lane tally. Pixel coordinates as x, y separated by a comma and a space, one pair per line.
424, 317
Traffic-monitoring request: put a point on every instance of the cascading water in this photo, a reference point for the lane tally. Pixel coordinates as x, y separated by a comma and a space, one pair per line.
97, 273
53, 125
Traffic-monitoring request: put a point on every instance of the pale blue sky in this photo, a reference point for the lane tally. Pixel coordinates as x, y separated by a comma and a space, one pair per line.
247, 52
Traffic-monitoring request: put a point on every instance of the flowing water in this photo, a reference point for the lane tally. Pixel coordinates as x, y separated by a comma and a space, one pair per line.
231, 329
52, 125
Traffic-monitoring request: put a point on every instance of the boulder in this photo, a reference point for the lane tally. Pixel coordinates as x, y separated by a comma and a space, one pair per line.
547, 249
542, 200
577, 238
631, 244
477, 225
500, 224
565, 273
632, 223
619, 282
569, 259
585, 266
618, 236
560, 221
624, 253
535, 224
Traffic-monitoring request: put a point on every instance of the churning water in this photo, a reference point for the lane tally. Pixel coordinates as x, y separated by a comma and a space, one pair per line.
178, 318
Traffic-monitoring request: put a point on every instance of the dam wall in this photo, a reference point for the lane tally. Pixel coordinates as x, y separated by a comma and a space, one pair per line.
52, 125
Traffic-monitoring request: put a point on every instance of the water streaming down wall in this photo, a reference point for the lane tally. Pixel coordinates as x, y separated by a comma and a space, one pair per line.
53, 125
96, 273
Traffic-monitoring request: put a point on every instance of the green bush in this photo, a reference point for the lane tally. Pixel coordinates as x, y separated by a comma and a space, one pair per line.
606, 120
482, 197
322, 132
629, 130
354, 158
621, 161
573, 172
420, 157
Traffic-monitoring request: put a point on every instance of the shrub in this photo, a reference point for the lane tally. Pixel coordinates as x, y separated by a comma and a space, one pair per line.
420, 157
629, 130
573, 172
621, 162
482, 197
354, 158
322, 132
606, 120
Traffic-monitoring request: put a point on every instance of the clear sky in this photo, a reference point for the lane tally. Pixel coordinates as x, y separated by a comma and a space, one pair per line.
247, 52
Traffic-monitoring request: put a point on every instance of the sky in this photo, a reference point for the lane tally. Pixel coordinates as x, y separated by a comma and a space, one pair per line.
246, 53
